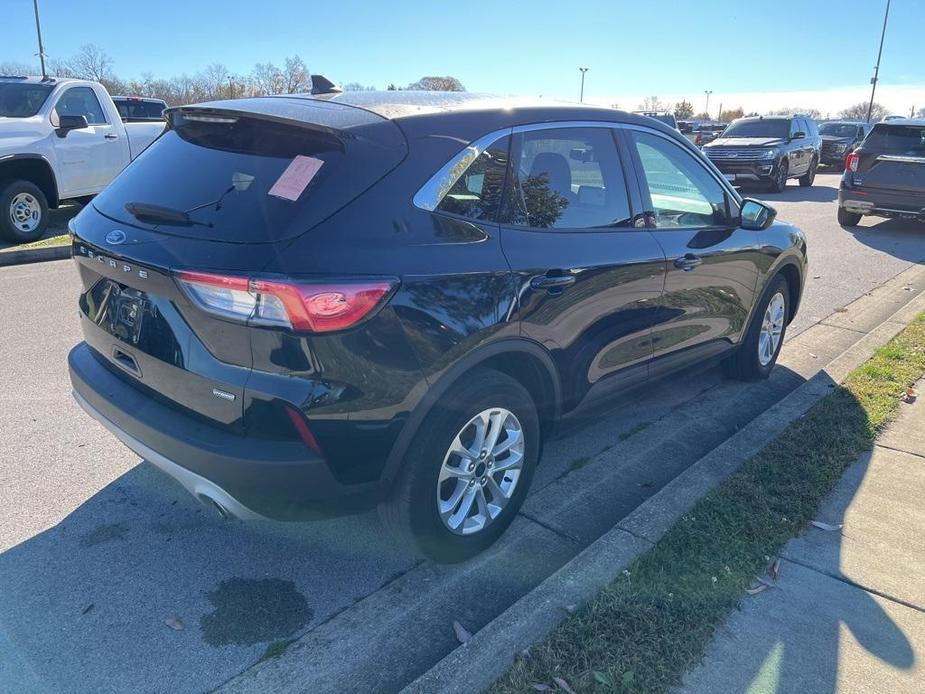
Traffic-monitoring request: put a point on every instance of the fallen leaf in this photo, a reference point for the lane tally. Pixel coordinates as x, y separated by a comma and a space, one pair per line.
570, 608
87, 608
813, 355
602, 678
815, 277
909, 395
908, 288
563, 685
765, 582
774, 569
174, 623
828, 527
760, 588
644, 485
540, 687
462, 634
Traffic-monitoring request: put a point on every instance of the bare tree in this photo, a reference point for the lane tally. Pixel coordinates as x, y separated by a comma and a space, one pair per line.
12, 67
438, 84
921, 113
731, 114
805, 110
357, 87
267, 79
652, 103
91, 63
859, 111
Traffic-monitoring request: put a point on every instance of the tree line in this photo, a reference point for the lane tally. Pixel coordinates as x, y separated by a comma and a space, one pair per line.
214, 82
684, 110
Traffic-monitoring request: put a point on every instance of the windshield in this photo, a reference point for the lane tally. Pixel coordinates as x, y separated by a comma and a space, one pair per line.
839, 129
763, 127
22, 100
896, 139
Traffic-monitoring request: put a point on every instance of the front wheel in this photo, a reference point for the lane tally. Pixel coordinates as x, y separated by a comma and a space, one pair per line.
779, 181
848, 219
468, 469
806, 180
23, 211
756, 356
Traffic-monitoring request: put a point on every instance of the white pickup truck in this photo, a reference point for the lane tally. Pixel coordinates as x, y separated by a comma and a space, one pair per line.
60, 139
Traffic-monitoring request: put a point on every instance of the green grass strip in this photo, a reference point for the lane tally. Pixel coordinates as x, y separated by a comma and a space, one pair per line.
51, 241
647, 628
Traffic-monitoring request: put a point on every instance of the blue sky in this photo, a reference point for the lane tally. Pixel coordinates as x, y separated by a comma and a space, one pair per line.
740, 50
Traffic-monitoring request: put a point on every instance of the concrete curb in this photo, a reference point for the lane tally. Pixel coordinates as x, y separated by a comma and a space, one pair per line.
475, 665
34, 255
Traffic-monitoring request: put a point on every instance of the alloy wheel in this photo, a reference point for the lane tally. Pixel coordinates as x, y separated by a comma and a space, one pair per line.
772, 327
25, 212
480, 471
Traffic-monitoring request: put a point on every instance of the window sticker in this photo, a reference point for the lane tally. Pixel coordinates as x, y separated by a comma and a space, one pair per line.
293, 181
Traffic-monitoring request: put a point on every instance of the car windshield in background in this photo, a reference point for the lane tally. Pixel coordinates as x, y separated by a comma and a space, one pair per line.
896, 139
764, 127
839, 129
22, 100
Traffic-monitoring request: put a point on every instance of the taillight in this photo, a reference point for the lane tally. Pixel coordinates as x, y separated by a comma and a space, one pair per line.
301, 427
851, 162
305, 307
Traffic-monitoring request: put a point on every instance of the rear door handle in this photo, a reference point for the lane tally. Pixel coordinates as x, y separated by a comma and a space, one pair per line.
552, 281
110, 136
688, 262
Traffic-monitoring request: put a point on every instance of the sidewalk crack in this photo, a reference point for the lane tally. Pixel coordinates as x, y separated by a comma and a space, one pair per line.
557, 531
855, 584
899, 450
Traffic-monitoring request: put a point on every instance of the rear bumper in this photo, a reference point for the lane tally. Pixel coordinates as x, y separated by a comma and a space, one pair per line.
882, 203
248, 477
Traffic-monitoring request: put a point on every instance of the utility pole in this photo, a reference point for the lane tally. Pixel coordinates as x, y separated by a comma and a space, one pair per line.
873, 80
719, 115
707, 109
581, 98
38, 31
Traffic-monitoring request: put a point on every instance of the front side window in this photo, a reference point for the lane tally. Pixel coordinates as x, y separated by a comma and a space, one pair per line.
568, 178
683, 192
81, 101
478, 192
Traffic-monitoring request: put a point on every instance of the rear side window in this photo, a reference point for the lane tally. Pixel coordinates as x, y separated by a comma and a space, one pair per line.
568, 178
477, 193
145, 110
81, 101
896, 139
683, 192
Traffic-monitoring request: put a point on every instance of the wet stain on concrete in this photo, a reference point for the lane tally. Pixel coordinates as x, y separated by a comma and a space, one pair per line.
249, 611
104, 533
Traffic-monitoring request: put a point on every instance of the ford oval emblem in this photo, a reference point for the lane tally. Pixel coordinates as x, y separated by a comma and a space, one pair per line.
115, 237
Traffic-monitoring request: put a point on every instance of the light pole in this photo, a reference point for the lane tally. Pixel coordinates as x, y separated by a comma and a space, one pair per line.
873, 80
38, 31
581, 98
707, 109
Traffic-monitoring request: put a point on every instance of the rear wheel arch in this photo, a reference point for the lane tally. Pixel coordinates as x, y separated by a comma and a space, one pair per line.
524, 361
35, 169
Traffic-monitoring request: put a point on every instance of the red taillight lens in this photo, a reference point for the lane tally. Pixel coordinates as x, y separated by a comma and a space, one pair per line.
301, 427
851, 163
316, 308
698, 140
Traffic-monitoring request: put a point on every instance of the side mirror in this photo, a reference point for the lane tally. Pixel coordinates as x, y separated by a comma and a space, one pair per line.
67, 123
799, 135
756, 215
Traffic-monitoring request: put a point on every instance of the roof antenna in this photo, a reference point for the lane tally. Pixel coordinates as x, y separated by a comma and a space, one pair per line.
38, 31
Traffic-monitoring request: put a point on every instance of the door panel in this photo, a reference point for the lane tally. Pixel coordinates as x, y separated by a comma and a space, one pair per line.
588, 279
712, 265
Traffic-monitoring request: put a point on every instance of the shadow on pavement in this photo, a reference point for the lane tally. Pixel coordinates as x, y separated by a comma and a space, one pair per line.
901, 238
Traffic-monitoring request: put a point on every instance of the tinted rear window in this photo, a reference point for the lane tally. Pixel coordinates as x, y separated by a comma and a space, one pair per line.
896, 139
221, 174
147, 110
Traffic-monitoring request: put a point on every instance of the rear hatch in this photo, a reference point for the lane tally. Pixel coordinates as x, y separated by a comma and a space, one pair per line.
221, 192
892, 157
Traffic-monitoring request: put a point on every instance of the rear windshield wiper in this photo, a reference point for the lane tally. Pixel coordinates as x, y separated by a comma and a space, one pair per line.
146, 212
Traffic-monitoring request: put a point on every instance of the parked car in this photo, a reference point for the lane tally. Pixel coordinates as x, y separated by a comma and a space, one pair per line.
700, 132
336, 307
885, 176
59, 139
839, 139
665, 117
140, 109
769, 150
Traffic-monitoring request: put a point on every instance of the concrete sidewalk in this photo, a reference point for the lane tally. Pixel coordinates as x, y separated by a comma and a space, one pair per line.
848, 614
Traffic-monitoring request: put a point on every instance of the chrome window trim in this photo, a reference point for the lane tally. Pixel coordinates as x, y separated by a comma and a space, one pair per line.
431, 194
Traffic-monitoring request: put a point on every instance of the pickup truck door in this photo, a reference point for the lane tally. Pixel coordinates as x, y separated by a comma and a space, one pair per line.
89, 158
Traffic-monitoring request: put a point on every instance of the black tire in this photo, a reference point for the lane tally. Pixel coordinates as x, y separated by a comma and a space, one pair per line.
780, 178
411, 513
745, 364
13, 226
806, 180
848, 219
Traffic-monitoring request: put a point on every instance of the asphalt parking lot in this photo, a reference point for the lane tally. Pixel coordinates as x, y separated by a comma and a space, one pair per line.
97, 550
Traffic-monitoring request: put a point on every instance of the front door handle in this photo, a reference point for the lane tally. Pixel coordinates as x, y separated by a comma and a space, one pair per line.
688, 262
110, 136
552, 281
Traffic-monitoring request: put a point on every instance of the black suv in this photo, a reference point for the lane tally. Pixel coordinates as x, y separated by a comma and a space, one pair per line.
839, 139
301, 306
768, 149
885, 176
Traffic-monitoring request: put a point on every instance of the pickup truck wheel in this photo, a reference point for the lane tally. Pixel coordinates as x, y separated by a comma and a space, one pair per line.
780, 179
848, 219
23, 211
468, 469
806, 180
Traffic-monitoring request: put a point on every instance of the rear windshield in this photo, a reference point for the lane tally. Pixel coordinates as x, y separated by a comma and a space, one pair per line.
778, 128
143, 110
896, 139
22, 100
249, 180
